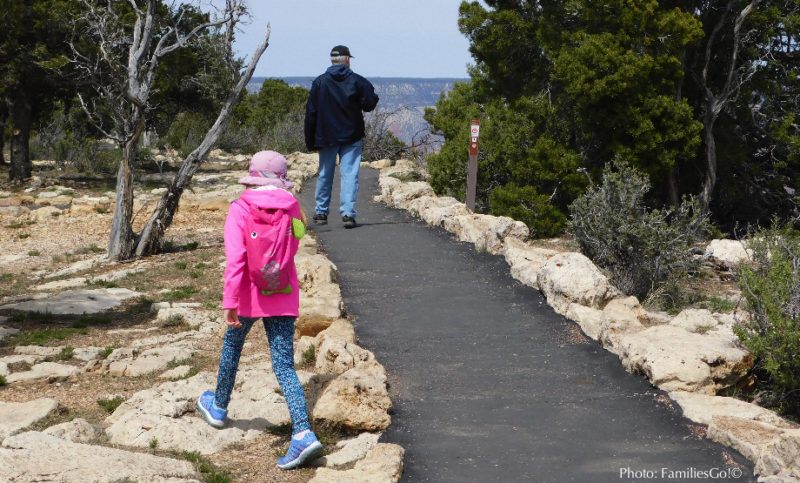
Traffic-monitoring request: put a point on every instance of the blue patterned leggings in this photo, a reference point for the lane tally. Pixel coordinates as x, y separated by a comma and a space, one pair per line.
280, 333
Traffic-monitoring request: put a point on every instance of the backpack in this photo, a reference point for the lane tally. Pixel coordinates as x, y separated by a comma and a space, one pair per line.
269, 242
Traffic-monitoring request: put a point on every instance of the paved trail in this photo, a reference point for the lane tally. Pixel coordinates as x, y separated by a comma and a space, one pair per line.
489, 384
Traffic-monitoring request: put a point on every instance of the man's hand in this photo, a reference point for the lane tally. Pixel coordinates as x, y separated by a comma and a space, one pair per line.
231, 318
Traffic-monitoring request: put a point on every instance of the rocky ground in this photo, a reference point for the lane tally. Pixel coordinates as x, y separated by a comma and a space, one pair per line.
693, 355
100, 363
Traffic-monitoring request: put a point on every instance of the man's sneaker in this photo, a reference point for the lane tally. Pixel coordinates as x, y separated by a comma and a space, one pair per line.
320, 219
214, 415
308, 448
349, 222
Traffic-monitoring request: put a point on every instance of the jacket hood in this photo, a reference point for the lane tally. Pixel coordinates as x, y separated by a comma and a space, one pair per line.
268, 199
339, 71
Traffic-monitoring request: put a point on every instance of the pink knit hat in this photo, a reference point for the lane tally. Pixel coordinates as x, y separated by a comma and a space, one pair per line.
267, 168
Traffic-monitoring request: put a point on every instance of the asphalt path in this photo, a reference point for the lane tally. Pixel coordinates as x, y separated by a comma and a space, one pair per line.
489, 384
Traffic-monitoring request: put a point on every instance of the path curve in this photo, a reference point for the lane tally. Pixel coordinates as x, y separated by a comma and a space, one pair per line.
489, 384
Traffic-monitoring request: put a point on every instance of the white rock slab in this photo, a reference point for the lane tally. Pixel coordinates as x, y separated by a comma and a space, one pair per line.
176, 373
350, 450
77, 431
6, 332
76, 302
15, 417
383, 464
38, 350
702, 408
49, 371
35, 457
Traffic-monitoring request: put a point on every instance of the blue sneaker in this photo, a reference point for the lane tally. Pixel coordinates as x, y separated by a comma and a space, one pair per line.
214, 415
306, 449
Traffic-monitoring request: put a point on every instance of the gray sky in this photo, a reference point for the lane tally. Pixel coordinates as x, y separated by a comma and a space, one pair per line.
388, 38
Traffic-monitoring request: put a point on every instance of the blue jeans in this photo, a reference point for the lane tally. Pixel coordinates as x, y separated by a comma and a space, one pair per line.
280, 333
349, 162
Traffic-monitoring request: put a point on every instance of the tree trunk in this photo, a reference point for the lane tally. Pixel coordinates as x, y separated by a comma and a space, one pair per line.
3, 118
710, 181
21, 121
121, 241
152, 236
674, 196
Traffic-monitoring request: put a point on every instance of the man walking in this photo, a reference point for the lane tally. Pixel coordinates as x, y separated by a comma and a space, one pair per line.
334, 124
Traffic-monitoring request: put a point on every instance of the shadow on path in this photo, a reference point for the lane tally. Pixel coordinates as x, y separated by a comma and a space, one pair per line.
489, 384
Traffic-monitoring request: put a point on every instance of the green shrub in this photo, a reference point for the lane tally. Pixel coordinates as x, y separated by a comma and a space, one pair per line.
641, 247
111, 405
771, 291
3, 381
186, 132
525, 204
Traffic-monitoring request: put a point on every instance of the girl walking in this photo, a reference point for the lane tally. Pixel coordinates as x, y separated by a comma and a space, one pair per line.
262, 234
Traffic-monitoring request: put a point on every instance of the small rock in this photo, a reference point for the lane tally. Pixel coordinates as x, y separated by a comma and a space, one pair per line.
571, 277
357, 399
77, 431
728, 254
15, 417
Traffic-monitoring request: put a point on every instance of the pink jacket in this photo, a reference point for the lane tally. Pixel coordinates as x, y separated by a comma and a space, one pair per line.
239, 293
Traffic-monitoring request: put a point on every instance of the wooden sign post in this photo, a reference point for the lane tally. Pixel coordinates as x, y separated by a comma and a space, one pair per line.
472, 165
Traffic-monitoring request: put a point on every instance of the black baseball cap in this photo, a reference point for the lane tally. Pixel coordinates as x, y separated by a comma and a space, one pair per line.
341, 50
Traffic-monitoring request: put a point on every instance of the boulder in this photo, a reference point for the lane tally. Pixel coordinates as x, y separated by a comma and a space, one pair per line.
49, 371
335, 355
486, 232
571, 277
695, 320
15, 416
301, 346
622, 315
85, 301
440, 209
87, 354
383, 464
728, 254
525, 260
33, 457
45, 213
387, 185
702, 408
149, 361
381, 164
349, 450
406, 192
77, 431
676, 360
781, 456
321, 296
357, 399
591, 320
744, 435
340, 328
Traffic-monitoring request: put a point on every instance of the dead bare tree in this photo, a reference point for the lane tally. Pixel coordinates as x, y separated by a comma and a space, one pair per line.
122, 66
735, 75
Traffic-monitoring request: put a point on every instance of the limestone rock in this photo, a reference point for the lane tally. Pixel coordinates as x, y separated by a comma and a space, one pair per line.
15, 417
6, 332
336, 355
622, 315
149, 361
167, 413
383, 464
38, 350
350, 450
311, 325
357, 399
176, 373
728, 253
436, 210
695, 320
782, 455
387, 184
77, 431
4, 369
592, 321
321, 295
406, 192
702, 408
301, 346
571, 277
486, 232
77, 301
62, 284
340, 328
45, 213
87, 354
381, 164
34, 457
675, 359
49, 371
90, 204
78, 266
525, 260
744, 435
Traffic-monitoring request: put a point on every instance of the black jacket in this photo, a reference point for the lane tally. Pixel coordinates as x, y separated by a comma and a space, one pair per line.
333, 110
